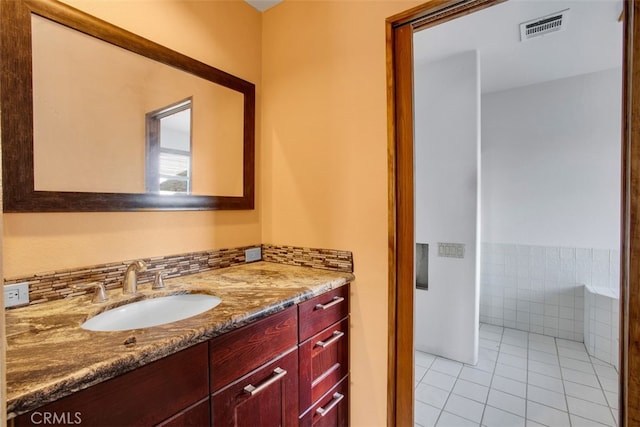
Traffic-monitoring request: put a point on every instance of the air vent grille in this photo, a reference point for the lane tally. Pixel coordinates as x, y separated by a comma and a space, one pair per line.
544, 25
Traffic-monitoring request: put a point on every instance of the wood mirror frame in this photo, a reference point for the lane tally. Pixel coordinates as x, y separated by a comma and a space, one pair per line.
16, 104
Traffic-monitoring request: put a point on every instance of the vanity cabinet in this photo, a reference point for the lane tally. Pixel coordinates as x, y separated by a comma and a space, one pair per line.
288, 369
324, 358
254, 373
145, 396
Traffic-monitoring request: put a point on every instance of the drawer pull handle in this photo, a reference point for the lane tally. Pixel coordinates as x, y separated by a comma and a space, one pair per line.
336, 300
337, 397
278, 373
335, 337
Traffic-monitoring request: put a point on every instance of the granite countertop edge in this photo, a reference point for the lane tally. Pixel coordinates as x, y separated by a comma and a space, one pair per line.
49, 356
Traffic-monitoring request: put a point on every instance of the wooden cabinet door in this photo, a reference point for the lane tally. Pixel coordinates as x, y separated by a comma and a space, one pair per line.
197, 415
142, 397
266, 397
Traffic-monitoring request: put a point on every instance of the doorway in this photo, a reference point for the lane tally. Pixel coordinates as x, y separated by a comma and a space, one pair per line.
401, 29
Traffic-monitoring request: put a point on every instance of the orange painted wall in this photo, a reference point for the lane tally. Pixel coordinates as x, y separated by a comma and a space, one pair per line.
324, 159
225, 34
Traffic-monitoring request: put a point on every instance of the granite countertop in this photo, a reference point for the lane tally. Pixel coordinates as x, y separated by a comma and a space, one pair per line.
50, 356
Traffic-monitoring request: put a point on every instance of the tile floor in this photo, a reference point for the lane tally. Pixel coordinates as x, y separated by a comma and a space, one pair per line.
521, 379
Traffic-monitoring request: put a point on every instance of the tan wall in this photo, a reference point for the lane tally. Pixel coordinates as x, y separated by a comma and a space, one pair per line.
226, 35
324, 180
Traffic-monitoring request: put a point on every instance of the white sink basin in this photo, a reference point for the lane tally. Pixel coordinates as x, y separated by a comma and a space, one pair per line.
151, 312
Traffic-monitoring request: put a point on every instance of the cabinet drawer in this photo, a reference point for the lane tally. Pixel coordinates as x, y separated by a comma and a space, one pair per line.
266, 397
242, 350
144, 396
319, 312
332, 410
324, 361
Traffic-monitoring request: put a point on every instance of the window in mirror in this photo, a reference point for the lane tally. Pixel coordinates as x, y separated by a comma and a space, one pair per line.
169, 151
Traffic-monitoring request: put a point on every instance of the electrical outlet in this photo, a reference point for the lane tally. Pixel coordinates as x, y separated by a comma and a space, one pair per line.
17, 294
253, 254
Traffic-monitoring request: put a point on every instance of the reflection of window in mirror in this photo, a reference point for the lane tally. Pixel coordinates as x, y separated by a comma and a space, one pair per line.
168, 154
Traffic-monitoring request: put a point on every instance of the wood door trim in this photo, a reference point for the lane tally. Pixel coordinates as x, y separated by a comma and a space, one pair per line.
399, 40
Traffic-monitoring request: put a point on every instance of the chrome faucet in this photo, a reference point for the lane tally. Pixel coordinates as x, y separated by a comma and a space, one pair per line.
130, 282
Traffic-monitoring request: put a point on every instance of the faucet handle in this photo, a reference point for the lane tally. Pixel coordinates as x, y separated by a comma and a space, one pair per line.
158, 283
100, 295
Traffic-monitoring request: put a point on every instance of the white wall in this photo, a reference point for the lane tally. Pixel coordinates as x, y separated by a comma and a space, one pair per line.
551, 202
447, 98
551, 163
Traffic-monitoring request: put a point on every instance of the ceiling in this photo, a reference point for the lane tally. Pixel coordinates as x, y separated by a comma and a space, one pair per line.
591, 41
263, 5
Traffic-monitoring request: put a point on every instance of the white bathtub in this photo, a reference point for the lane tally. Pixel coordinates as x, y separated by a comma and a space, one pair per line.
601, 323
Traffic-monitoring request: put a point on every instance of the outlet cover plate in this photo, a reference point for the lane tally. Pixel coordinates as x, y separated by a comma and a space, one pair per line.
17, 294
253, 254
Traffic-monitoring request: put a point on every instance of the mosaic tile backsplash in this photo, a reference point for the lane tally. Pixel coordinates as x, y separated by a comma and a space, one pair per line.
51, 286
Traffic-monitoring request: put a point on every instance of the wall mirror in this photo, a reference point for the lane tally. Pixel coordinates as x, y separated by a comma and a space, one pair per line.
95, 118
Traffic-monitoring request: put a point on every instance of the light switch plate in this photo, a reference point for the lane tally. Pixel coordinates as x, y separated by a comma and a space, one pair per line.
253, 254
451, 250
17, 294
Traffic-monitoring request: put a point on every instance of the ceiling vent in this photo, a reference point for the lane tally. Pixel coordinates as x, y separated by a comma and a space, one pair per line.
545, 25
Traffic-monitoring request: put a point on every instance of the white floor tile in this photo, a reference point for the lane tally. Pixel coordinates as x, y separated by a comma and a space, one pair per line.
426, 415
590, 411
569, 344
465, 408
603, 371
489, 344
541, 356
513, 350
510, 386
580, 377
434, 396
515, 361
487, 354
418, 372
581, 391
583, 422
511, 372
440, 380
574, 354
485, 365
489, 335
541, 339
475, 375
424, 359
494, 417
576, 365
547, 416
450, 420
516, 341
544, 347
519, 375
545, 368
507, 402
447, 366
546, 397
609, 384
612, 399
491, 328
471, 390
546, 382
